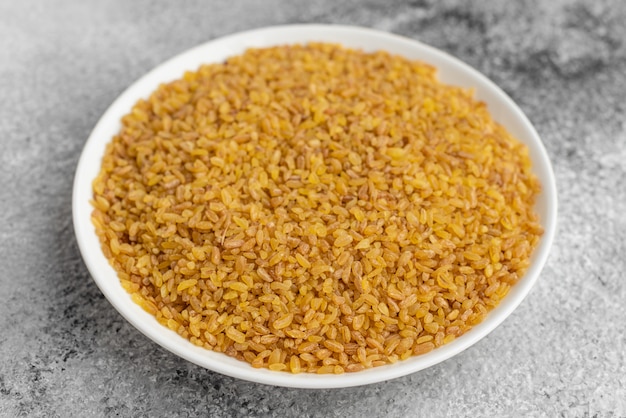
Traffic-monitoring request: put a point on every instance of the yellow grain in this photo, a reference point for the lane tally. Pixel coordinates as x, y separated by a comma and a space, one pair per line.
327, 221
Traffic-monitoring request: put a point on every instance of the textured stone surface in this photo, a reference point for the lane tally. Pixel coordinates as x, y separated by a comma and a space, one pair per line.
66, 352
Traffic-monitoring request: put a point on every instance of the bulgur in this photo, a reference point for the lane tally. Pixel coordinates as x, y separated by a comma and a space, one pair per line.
312, 208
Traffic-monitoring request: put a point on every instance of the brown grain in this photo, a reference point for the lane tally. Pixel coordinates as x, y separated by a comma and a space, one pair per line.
315, 208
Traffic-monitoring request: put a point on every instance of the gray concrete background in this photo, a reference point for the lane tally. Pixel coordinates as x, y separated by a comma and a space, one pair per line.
65, 351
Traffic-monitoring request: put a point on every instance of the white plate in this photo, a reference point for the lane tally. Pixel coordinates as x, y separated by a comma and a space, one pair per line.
450, 71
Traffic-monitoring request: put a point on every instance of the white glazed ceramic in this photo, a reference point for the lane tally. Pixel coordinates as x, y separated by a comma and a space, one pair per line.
450, 71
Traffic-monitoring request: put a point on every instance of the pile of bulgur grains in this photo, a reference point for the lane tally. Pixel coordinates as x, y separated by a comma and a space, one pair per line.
312, 208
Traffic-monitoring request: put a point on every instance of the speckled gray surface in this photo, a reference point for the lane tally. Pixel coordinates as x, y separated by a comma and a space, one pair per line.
66, 352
